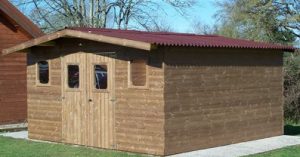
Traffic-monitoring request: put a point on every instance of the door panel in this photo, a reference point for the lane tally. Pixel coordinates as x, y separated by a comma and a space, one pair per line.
74, 100
88, 110
101, 108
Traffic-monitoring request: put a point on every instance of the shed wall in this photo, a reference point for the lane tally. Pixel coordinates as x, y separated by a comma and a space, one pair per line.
215, 97
139, 113
44, 101
13, 106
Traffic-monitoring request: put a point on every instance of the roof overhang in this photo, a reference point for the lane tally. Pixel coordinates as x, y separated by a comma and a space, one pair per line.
13, 14
43, 40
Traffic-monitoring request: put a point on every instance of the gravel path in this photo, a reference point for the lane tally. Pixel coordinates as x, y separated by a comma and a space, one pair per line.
18, 134
245, 148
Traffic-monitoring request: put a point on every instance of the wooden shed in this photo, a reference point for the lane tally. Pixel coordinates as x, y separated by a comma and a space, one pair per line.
15, 28
153, 93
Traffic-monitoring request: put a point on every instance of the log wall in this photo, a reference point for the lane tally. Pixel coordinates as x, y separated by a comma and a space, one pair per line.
44, 101
216, 97
13, 106
139, 112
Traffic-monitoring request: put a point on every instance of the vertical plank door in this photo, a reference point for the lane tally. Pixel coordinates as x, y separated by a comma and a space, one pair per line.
88, 109
74, 102
101, 102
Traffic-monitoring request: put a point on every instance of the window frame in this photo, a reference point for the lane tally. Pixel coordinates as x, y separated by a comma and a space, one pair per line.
130, 85
93, 78
67, 77
37, 80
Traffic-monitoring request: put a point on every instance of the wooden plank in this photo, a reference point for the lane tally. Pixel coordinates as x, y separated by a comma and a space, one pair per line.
219, 97
77, 34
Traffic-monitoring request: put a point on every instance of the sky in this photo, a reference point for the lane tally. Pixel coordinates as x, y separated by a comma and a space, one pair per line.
202, 13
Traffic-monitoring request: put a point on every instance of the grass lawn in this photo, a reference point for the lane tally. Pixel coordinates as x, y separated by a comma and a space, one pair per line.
10, 147
293, 151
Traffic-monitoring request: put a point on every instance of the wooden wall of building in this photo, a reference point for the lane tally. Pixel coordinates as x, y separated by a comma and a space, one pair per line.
13, 107
139, 112
215, 97
195, 99
44, 101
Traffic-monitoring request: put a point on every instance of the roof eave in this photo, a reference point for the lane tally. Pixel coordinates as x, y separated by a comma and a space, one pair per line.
82, 35
15, 15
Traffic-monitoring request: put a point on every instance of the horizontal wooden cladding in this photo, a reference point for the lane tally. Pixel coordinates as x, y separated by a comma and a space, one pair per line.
44, 130
216, 97
140, 112
10, 36
44, 102
12, 76
13, 89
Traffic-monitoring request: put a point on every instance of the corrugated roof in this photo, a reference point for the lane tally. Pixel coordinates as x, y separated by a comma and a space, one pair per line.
14, 14
183, 39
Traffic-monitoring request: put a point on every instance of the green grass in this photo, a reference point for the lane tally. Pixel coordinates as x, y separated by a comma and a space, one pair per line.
10, 147
293, 151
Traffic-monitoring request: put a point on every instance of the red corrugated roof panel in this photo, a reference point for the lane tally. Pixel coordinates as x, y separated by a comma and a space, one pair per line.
183, 39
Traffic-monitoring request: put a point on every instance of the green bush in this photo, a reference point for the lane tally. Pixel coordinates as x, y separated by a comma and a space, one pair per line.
292, 87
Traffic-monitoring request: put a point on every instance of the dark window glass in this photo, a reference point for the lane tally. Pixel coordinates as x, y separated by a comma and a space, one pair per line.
138, 72
100, 76
73, 76
43, 69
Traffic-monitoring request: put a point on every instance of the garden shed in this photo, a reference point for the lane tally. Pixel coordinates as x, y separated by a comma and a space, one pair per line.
154, 93
15, 28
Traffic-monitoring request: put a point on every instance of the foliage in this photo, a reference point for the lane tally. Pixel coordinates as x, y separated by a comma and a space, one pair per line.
292, 129
53, 15
16, 148
292, 87
273, 21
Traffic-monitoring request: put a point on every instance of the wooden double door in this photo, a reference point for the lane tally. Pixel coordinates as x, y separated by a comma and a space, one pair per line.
88, 99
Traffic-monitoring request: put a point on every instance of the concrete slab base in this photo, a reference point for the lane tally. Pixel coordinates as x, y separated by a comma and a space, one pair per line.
18, 134
245, 148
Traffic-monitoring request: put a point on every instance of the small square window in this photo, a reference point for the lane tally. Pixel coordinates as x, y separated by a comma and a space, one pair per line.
43, 72
100, 72
73, 76
138, 72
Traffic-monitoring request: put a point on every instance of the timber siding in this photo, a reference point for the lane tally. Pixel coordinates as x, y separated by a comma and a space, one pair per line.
195, 99
12, 75
140, 112
216, 97
44, 101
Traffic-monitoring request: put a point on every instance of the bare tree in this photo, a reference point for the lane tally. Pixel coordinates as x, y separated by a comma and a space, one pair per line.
200, 28
52, 15
157, 25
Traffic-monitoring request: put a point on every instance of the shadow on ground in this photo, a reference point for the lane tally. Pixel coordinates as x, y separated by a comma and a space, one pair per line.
292, 129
